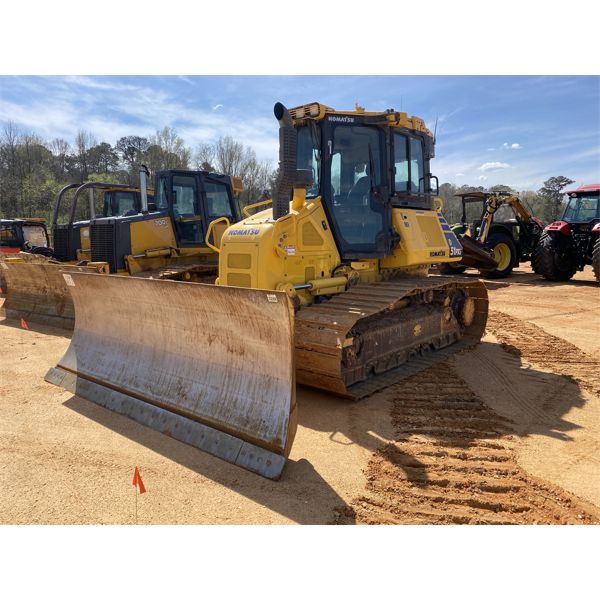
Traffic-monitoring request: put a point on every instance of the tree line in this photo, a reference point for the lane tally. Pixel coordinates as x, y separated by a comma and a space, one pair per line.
33, 170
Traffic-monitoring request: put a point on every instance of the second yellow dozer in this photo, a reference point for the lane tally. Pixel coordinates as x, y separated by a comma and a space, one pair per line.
329, 288
161, 234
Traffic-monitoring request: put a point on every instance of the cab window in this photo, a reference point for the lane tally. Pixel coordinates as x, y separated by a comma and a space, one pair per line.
409, 164
309, 156
184, 195
217, 200
356, 166
7, 235
35, 235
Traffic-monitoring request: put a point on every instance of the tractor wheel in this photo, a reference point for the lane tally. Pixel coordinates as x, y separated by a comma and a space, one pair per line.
451, 268
551, 262
504, 251
596, 259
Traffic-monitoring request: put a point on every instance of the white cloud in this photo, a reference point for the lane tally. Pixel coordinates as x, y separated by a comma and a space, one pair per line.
491, 149
514, 146
482, 178
493, 166
217, 106
459, 175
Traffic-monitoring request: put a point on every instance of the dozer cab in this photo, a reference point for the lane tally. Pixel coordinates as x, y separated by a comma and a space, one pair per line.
496, 226
568, 245
328, 287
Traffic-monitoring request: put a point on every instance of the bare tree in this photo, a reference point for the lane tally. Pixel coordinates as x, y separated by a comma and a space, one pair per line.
84, 140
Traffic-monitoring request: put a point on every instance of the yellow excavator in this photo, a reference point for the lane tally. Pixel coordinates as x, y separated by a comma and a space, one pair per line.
328, 287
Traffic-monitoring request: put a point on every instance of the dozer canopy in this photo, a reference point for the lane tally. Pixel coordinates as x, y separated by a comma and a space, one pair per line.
213, 366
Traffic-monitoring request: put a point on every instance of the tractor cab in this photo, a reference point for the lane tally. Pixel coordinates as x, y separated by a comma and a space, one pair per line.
573, 242
583, 207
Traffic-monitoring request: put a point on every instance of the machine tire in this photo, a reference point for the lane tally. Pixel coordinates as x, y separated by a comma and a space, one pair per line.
451, 268
596, 259
548, 263
505, 252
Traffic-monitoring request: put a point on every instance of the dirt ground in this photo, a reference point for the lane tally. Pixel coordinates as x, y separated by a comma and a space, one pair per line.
508, 432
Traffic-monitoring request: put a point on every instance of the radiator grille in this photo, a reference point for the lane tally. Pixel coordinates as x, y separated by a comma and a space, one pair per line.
103, 241
61, 244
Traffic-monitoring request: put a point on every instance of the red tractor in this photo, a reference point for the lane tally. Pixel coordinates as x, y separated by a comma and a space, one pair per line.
566, 246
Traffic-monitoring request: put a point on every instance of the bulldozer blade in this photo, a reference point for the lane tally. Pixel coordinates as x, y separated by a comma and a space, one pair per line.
476, 254
208, 365
38, 292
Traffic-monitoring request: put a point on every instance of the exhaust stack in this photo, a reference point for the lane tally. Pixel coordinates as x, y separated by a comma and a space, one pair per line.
287, 162
144, 187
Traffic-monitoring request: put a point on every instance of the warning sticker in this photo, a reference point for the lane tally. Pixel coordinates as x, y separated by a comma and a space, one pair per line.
69, 280
290, 250
271, 297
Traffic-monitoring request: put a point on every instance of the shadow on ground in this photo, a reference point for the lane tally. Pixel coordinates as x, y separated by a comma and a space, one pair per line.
301, 494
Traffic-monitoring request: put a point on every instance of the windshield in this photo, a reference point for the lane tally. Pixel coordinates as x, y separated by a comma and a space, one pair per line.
582, 208
119, 203
35, 235
309, 156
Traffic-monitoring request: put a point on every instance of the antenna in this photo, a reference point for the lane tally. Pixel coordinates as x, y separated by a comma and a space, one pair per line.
435, 129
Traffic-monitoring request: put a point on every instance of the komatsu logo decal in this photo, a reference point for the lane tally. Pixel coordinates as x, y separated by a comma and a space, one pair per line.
341, 119
244, 232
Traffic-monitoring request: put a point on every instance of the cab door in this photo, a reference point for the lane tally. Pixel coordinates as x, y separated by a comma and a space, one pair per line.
355, 189
186, 208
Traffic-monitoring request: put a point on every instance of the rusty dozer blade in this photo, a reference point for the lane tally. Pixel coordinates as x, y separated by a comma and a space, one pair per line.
210, 366
476, 254
38, 292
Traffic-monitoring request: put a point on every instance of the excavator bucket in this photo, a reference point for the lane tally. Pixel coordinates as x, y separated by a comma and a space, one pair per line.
37, 292
208, 365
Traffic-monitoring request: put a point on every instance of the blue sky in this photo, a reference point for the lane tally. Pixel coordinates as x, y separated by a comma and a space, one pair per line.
517, 130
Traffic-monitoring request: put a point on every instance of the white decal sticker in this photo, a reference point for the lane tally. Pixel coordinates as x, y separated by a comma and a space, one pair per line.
290, 250
69, 279
271, 297
160, 222
86, 232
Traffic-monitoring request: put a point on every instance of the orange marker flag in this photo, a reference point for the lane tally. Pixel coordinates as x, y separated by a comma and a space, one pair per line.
23, 324
137, 480
1, 291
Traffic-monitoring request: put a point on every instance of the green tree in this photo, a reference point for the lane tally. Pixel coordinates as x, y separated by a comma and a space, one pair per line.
551, 192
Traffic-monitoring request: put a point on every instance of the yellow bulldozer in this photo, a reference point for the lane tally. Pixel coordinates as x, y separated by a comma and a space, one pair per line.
328, 287
36, 290
162, 234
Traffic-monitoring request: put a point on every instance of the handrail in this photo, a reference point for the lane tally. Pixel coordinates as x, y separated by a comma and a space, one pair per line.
209, 231
250, 206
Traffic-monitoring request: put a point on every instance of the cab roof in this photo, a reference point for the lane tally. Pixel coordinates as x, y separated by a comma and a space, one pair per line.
592, 187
